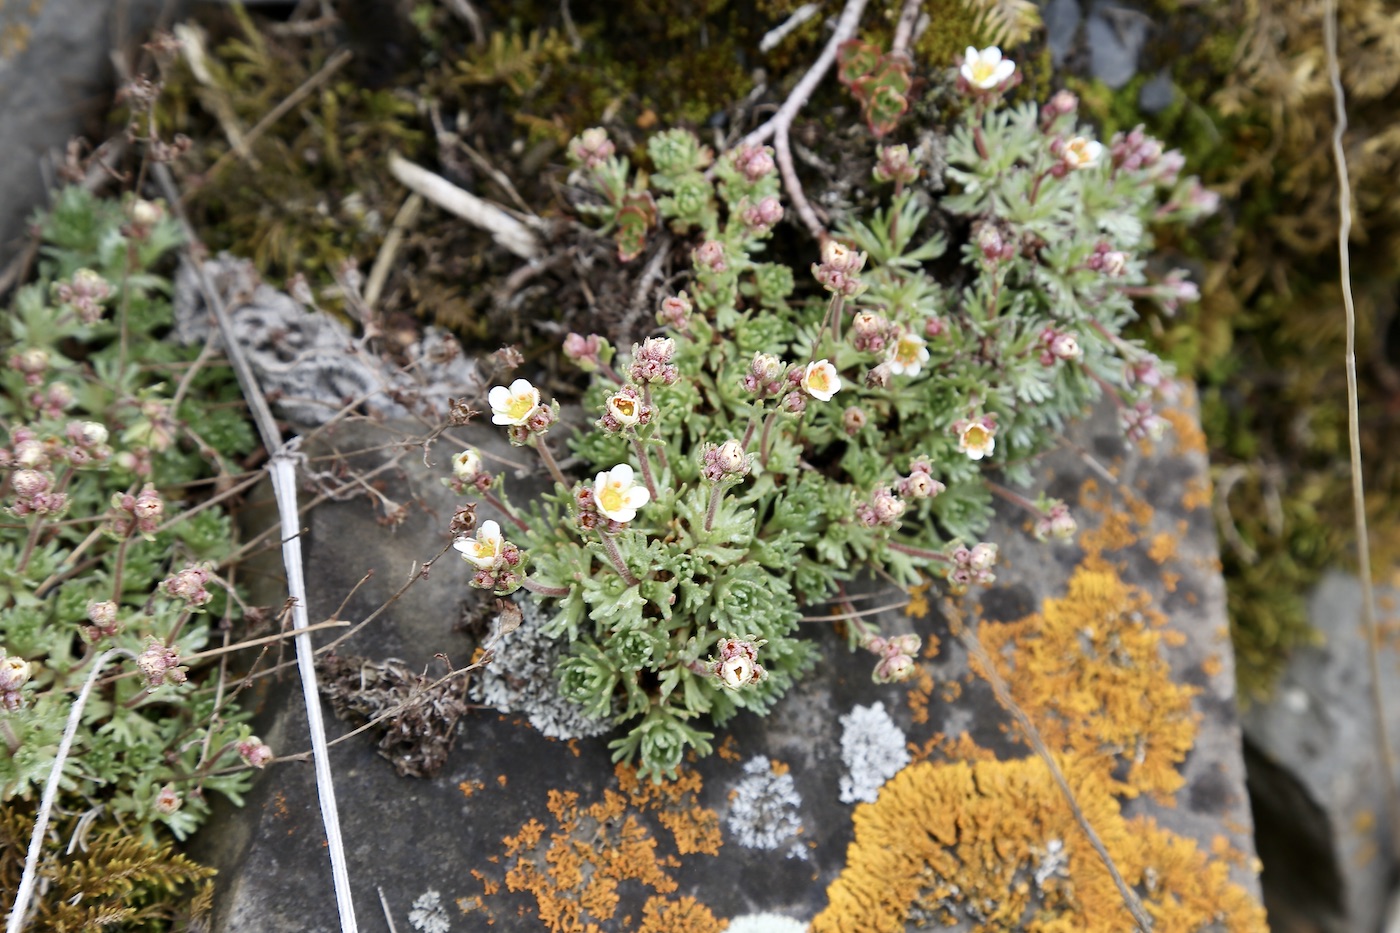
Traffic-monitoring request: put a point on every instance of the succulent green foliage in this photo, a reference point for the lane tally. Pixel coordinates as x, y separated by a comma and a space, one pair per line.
798, 439
108, 426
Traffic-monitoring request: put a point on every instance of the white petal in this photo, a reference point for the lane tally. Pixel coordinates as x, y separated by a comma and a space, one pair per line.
992, 54
490, 531
970, 56
499, 397
637, 497
621, 475
1003, 70
521, 387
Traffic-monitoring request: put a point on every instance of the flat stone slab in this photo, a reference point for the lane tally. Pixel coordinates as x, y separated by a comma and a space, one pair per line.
521, 832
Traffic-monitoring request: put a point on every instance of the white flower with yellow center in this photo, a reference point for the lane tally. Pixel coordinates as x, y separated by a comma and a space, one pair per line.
821, 380
909, 354
515, 404
625, 408
1080, 152
986, 69
977, 440
484, 551
617, 495
466, 466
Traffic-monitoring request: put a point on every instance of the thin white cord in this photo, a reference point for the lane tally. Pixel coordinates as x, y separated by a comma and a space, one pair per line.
284, 486
30, 878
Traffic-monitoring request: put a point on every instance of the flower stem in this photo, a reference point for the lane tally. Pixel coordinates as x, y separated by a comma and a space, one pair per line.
615, 556
542, 590
550, 463
29, 543
117, 567
763, 441
645, 462
917, 551
1015, 498
716, 493
505, 510
748, 432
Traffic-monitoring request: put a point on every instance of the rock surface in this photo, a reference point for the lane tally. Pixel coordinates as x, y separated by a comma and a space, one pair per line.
519, 830
55, 76
1315, 772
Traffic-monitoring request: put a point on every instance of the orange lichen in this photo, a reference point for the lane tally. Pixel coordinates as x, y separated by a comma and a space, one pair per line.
471, 787
728, 750
1088, 671
920, 692
1197, 495
1212, 665
1162, 548
574, 871
995, 844
1186, 428
1114, 534
686, 915
918, 601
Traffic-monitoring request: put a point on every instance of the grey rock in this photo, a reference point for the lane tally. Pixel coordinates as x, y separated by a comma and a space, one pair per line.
776, 793
1062, 19
1115, 35
55, 79
1158, 93
1316, 776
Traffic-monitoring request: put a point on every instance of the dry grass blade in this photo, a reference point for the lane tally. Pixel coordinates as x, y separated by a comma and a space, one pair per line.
1358, 489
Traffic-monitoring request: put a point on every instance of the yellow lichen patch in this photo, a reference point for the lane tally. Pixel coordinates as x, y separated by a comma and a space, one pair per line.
1088, 671
728, 750
1197, 494
1186, 428
575, 871
918, 601
1114, 534
686, 915
994, 845
1162, 548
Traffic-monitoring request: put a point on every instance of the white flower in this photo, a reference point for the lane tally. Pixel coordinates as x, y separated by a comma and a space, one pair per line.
738, 671
909, 354
821, 380
466, 466
1081, 153
513, 405
616, 494
625, 409
484, 551
977, 440
986, 69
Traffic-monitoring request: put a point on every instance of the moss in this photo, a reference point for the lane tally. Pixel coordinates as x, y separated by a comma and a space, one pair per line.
994, 843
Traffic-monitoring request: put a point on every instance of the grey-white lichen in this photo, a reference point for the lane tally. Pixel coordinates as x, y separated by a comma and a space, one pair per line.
428, 915
765, 810
873, 750
766, 923
521, 679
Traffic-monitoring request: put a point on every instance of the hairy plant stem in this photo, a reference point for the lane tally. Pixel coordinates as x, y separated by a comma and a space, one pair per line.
540, 589
716, 494
118, 566
1015, 498
30, 543
763, 441
177, 628
550, 463
12, 741
645, 463
614, 555
749, 431
917, 551
504, 509
660, 448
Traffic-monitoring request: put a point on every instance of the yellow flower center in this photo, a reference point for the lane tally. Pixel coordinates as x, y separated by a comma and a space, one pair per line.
484, 549
626, 407
611, 498
819, 379
519, 406
907, 352
982, 70
976, 437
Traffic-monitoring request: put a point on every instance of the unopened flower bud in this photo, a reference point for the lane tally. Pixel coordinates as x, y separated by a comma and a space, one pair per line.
675, 313
255, 752
168, 800
853, 419
709, 257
